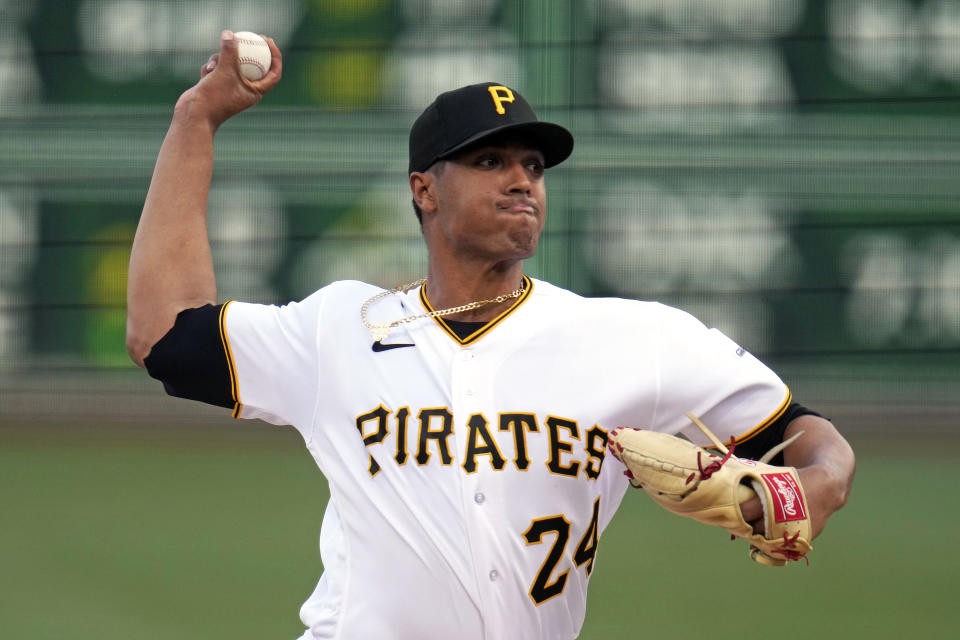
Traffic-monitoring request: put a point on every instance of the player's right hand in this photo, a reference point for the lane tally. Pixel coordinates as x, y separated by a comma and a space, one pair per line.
222, 91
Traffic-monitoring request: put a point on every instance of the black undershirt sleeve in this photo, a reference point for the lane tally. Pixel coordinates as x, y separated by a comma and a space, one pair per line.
191, 359
771, 436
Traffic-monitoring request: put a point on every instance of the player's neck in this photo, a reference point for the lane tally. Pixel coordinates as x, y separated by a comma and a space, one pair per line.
455, 287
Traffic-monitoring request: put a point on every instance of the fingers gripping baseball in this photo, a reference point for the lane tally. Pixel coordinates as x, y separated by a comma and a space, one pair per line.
231, 57
223, 91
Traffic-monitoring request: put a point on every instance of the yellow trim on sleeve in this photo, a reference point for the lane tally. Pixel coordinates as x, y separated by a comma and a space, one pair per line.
231, 365
769, 421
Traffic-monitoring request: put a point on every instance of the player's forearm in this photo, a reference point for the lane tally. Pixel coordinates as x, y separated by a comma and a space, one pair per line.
826, 464
171, 268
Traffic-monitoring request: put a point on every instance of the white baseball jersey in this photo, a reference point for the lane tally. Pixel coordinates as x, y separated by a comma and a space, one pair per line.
469, 481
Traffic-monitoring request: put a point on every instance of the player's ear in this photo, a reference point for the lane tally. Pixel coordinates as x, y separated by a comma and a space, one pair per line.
422, 186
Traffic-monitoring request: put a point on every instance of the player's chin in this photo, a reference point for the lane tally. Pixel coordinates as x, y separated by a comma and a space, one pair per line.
517, 235
523, 243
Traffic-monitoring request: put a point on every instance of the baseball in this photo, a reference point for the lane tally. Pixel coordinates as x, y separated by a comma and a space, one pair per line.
254, 54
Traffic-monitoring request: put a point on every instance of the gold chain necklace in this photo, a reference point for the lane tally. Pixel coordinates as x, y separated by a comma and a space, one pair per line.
380, 330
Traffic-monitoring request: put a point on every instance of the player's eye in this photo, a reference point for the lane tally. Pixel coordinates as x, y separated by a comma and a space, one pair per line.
488, 161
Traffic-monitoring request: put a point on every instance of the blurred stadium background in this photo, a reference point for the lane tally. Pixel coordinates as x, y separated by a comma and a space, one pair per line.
787, 170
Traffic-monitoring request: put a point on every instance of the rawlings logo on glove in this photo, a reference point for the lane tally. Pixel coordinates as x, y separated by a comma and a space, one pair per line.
788, 499
692, 482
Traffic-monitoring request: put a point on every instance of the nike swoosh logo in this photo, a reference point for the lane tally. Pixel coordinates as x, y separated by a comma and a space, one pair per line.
379, 346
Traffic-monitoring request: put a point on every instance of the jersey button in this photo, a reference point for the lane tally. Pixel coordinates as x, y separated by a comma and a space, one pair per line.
478, 497
494, 574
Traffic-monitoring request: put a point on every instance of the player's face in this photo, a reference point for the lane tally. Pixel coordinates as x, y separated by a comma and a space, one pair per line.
491, 202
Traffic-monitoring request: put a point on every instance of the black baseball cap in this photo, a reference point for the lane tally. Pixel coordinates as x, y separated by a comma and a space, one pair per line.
464, 116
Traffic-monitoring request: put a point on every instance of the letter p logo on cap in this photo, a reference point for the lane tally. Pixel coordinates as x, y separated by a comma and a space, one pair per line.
500, 94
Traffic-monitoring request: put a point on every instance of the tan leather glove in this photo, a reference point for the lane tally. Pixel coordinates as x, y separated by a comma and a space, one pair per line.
693, 482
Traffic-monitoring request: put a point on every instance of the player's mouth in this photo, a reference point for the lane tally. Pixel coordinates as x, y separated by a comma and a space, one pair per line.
527, 207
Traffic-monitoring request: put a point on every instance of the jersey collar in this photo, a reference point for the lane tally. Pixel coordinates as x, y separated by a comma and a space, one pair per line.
486, 328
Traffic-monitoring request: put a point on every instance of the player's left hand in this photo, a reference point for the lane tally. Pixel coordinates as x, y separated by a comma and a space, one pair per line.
752, 511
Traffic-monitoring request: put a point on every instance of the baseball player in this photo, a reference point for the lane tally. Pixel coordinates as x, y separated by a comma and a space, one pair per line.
461, 421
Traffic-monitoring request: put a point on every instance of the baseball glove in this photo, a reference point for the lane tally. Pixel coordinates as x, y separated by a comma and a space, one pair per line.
692, 482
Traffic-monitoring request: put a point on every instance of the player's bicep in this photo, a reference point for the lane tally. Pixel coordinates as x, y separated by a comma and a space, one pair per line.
258, 360
191, 359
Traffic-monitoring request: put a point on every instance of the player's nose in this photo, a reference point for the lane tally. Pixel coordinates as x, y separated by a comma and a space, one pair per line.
518, 178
